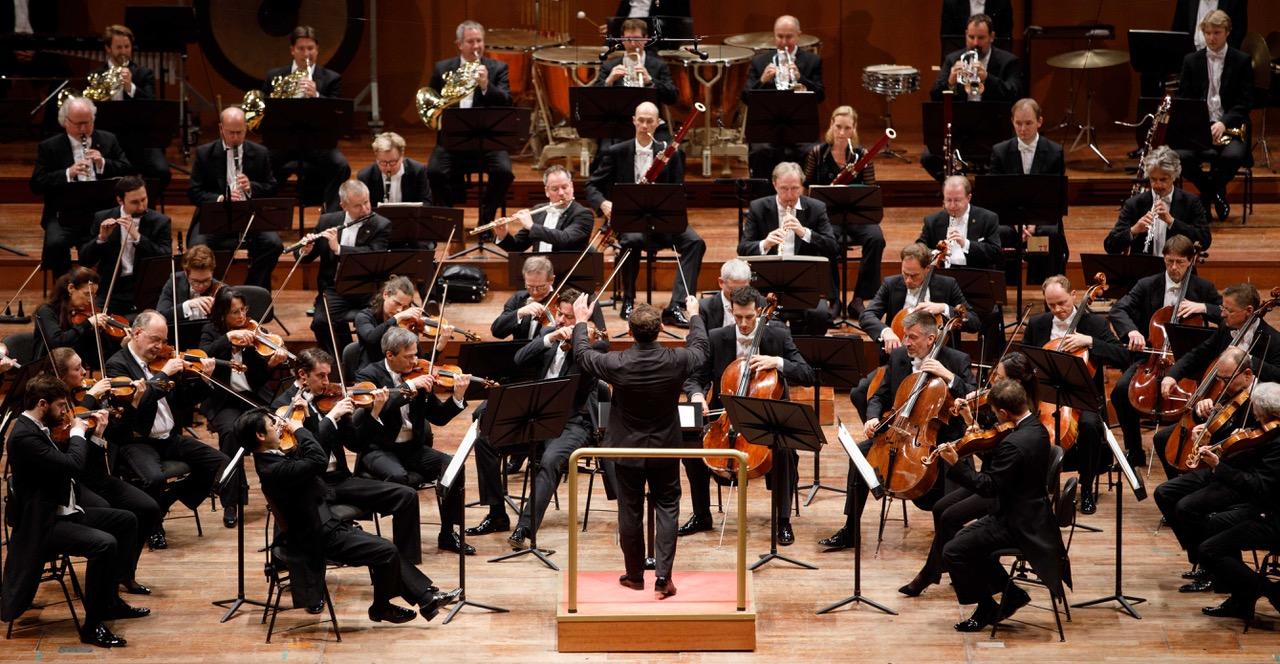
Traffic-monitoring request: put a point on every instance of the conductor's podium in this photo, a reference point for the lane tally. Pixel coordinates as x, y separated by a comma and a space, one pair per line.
711, 610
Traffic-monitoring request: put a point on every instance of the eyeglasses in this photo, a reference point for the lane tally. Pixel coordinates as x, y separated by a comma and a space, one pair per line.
387, 162
536, 287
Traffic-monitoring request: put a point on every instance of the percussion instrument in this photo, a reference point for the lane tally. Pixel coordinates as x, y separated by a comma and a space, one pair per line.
890, 80
763, 41
514, 47
1095, 58
722, 76
555, 70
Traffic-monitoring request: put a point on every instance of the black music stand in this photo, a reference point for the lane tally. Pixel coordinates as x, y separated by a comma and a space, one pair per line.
1184, 338
839, 363
798, 281
779, 425
781, 117
1159, 52
746, 190
494, 360
650, 209
1122, 270
1126, 602
853, 205
446, 484
1188, 123
77, 202
305, 125
976, 126
606, 112
140, 123
862, 472
483, 130
233, 469
421, 226
363, 274
587, 278
524, 414
1023, 200
240, 218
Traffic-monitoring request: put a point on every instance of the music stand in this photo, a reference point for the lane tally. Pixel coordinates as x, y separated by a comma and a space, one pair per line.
413, 226
495, 360
781, 117
233, 469
863, 472
1126, 602
363, 274
839, 363
1122, 270
779, 425
664, 31
443, 487
483, 130
606, 112
853, 205
1188, 123
798, 281
77, 202
228, 217
1184, 338
305, 124
1159, 52
1023, 200
746, 190
650, 209
524, 414
976, 126
140, 123
587, 278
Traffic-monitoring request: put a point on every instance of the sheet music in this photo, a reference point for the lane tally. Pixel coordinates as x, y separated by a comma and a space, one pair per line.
460, 457
1118, 452
860, 462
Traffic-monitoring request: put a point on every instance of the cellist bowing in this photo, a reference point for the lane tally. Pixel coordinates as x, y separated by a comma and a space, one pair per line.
1243, 326
776, 351
950, 365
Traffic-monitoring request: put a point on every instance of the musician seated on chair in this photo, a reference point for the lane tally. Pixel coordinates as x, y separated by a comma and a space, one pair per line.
786, 67
195, 285
1160, 212
1131, 318
626, 163
839, 150
906, 362
137, 82
446, 168
1031, 153
393, 177
238, 169
790, 224
776, 351
79, 154
57, 323
716, 309
125, 235
564, 225
956, 14
638, 67
1222, 77
319, 171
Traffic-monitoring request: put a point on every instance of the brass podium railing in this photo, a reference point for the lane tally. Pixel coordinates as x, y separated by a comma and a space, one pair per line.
665, 453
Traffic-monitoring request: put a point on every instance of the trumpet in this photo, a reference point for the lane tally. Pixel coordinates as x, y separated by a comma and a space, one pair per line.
502, 221
632, 79
1231, 134
968, 76
782, 61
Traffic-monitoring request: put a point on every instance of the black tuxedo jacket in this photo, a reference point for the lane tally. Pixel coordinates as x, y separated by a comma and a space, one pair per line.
657, 8
536, 353
658, 70
646, 378
328, 81
209, 173
136, 421
154, 239
42, 479
572, 231
955, 16
165, 304
351, 433
414, 186
892, 296
214, 342
424, 410
899, 369
374, 234
1134, 310
616, 164
1107, 349
809, 64
144, 81
1014, 477
499, 92
1189, 219
1007, 160
1184, 18
1004, 77
762, 217
54, 157
1235, 87
1266, 352
508, 324
713, 313
723, 342
983, 235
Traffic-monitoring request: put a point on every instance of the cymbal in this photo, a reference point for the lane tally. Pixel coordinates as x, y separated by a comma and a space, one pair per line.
763, 41
1088, 59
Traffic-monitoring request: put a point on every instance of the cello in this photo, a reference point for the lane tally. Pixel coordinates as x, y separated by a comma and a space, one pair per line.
908, 433
738, 379
1144, 388
940, 255
1067, 420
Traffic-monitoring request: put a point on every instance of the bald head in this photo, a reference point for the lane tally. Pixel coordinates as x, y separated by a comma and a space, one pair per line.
787, 21
786, 30
231, 126
645, 121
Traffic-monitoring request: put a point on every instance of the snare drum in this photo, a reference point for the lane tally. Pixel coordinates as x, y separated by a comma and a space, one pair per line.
891, 80
763, 41
558, 68
513, 47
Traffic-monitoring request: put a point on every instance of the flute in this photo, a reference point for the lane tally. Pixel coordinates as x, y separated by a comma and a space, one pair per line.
506, 220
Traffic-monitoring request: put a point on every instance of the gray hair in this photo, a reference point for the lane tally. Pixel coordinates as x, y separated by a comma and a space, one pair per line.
65, 109
787, 168
388, 140
467, 25
1164, 159
146, 318
1266, 401
735, 270
538, 265
396, 339
351, 187
960, 180
546, 175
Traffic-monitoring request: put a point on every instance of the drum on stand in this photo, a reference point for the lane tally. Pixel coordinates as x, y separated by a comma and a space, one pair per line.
717, 82
514, 46
555, 70
891, 82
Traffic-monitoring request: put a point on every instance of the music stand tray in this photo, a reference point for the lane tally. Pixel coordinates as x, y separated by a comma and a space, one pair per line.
305, 124
413, 224
140, 123
983, 289
798, 281
77, 201
228, 217
496, 360
1184, 338
484, 129
362, 275
649, 208
587, 278
606, 112
1122, 270
781, 117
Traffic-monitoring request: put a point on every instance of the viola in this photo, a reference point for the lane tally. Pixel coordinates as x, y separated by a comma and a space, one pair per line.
1240, 441
62, 432
290, 412
361, 395
265, 343
1067, 419
594, 335
738, 379
975, 441
1144, 388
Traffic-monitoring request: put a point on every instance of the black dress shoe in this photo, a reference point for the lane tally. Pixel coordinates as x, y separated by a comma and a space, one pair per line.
490, 524
157, 541
785, 535
1221, 206
102, 637
429, 608
229, 514
514, 464
918, 585
1087, 504
122, 611
855, 308
695, 524
840, 539
1014, 600
316, 608
1230, 609
1198, 586
451, 542
518, 537
1196, 574
664, 588
391, 613
628, 582
678, 317
981, 618
627, 307
135, 588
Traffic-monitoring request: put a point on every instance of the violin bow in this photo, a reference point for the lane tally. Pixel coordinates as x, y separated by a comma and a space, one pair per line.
338, 361
272, 304
622, 261
115, 272
239, 243
31, 276
1008, 345
435, 278
435, 345
603, 232
173, 291
97, 337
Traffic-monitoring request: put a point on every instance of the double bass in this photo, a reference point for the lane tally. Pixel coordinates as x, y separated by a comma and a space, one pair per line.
906, 437
738, 379
1144, 388
1067, 420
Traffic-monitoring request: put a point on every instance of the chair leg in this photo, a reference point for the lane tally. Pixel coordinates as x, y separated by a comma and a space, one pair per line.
271, 590
75, 579
275, 611
1057, 618
199, 529
337, 633
586, 513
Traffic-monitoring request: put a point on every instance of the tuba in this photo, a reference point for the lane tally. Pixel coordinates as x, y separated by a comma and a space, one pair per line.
457, 85
285, 86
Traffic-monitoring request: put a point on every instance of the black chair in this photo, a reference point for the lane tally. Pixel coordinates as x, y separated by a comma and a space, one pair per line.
22, 347
279, 579
350, 359
172, 471
57, 569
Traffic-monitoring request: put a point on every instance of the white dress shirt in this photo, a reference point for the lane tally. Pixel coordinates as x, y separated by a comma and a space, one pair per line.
1214, 97
1028, 153
395, 192
128, 247
551, 220
788, 246
239, 382
744, 342
1159, 228
640, 8
977, 7
1171, 289
162, 426
1060, 327
406, 426
22, 17
728, 311
234, 154
959, 254
1205, 7
348, 235
77, 155
644, 159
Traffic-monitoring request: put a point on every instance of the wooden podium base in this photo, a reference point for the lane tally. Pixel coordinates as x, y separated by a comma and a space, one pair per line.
702, 616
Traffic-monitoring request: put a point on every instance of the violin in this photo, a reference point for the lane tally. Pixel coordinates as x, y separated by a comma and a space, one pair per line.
265, 343
445, 376
361, 395
1144, 388
738, 379
1240, 441
62, 432
286, 413
191, 360
1068, 419
594, 335
1180, 450
115, 325
907, 434
122, 388
430, 327
975, 441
